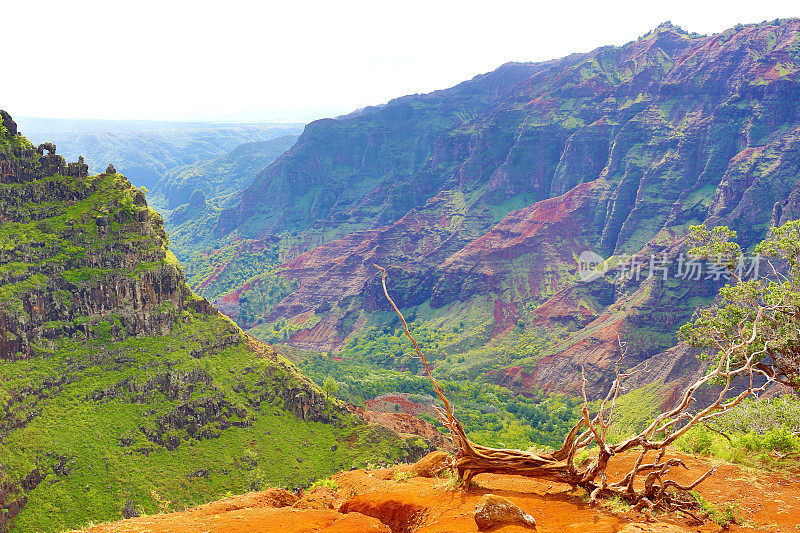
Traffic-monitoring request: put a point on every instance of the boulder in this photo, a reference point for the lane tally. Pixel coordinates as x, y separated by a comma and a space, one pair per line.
272, 497
494, 510
431, 465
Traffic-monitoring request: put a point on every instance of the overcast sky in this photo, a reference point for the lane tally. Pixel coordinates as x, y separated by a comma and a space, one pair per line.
298, 61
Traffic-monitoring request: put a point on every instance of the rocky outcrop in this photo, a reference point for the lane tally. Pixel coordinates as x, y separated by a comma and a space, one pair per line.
8, 122
111, 261
11, 502
20, 161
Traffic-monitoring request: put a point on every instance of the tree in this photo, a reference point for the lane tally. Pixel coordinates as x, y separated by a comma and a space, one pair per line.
657, 492
755, 320
330, 386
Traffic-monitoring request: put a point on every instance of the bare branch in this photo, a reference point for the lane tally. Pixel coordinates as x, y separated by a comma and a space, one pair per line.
472, 459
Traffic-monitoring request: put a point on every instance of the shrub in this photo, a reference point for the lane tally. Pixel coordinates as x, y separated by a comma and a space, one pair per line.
744, 447
781, 440
697, 440
722, 516
328, 483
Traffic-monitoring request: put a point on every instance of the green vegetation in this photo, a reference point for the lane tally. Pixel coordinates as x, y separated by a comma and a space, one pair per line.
231, 266
491, 414
755, 318
723, 516
761, 433
634, 411
327, 483
173, 414
263, 293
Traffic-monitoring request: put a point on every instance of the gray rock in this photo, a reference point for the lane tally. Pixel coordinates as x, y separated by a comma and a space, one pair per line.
129, 511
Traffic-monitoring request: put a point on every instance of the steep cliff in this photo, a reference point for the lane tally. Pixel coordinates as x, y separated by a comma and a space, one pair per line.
481, 198
121, 389
75, 247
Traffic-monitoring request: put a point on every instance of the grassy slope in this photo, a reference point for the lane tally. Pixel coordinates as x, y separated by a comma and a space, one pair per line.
108, 455
98, 415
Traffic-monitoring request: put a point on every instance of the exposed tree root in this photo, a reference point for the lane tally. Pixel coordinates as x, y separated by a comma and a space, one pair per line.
646, 486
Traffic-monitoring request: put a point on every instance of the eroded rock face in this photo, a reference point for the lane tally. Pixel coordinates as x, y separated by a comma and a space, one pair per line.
617, 151
67, 269
106, 278
8, 122
493, 510
20, 161
11, 502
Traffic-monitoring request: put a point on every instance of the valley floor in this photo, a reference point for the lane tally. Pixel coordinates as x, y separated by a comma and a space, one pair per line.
388, 501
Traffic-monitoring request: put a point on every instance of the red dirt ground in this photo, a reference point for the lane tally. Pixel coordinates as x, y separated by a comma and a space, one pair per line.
383, 501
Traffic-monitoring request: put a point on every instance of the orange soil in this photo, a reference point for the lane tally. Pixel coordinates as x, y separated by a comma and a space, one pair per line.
381, 501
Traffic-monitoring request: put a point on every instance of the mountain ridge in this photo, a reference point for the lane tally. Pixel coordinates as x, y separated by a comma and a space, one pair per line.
643, 140
147, 150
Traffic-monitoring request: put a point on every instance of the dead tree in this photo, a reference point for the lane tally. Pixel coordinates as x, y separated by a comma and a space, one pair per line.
646, 485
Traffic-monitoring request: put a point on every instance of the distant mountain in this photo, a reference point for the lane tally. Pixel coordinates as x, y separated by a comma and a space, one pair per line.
192, 197
146, 150
480, 199
224, 176
120, 388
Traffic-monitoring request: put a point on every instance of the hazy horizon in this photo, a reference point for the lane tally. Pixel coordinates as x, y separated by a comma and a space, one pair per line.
52, 120
250, 62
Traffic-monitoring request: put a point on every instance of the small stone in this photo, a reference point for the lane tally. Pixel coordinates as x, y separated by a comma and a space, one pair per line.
494, 510
129, 511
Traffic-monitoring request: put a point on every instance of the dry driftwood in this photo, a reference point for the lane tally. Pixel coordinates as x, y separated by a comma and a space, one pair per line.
646, 485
